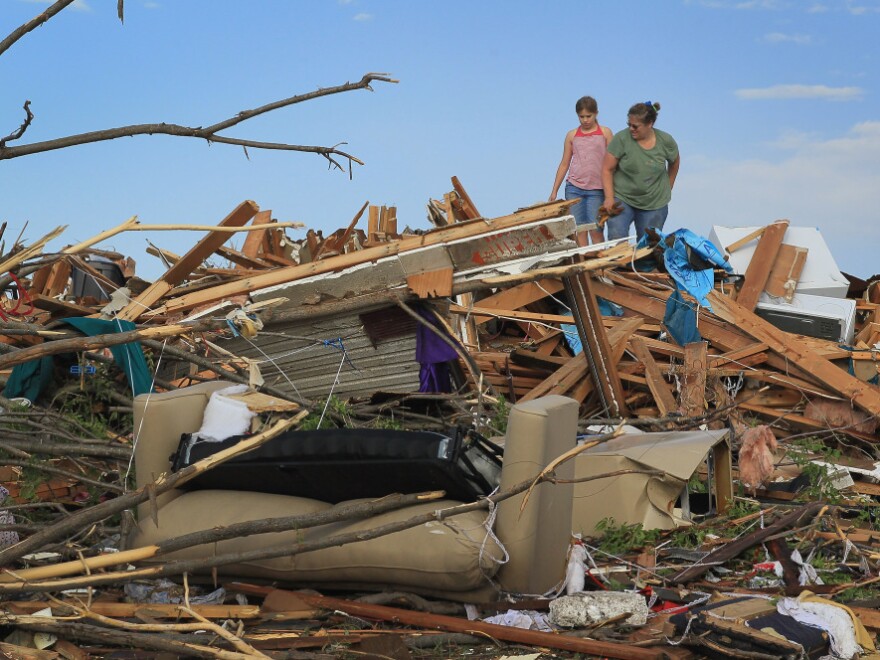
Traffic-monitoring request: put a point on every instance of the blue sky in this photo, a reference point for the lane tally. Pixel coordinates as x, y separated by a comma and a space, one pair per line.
774, 105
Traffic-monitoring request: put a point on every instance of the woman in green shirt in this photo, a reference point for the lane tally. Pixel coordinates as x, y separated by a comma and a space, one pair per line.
639, 171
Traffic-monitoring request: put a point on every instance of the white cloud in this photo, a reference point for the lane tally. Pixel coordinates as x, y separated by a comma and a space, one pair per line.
363, 17
829, 184
152, 5
863, 7
801, 92
781, 38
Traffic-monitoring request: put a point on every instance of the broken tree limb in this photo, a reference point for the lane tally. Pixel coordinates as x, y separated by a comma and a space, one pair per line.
337, 513
182, 268
179, 567
75, 629
164, 482
493, 631
734, 548
209, 133
98, 342
133, 224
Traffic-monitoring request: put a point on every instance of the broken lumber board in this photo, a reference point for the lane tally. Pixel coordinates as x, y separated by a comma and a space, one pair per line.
692, 400
786, 271
519, 296
256, 242
511, 314
468, 208
594, 340
759, 267
284, 275
188, 262
156, 610
864, 395
492, 631
736, 245
432, 284
722, 334
734, 548
656, 383
715, 361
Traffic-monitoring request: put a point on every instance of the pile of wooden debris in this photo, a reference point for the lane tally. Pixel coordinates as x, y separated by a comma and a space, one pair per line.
660, 337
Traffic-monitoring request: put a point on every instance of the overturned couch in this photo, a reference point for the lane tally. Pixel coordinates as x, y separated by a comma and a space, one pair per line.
465, 558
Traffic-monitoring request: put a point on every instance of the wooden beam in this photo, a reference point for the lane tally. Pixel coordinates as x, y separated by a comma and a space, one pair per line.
762, 261
468, 206
736, 245
187, 263
467, 229
864, 395
588, 320
693, 382
656, 383
254, 240
786, 271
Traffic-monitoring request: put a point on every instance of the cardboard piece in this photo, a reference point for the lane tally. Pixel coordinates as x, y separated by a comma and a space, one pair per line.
641, 498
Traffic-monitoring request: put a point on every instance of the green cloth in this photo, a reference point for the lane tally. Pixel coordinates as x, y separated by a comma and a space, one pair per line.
29, 378
129, 357
642, 177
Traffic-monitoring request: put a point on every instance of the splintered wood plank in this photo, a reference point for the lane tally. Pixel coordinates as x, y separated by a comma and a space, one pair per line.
433, 284
561, 380
188, 262
254, 240
454, 232
373, 224
786, 271
720, 333
60, 307
693, 383
57, 279
656, 383
518, 296
716, 361
467, 205
864, 395
588, 321
736, 245
761, 263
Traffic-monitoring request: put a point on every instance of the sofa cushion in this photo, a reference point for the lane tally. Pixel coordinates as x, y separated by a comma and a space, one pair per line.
454, 555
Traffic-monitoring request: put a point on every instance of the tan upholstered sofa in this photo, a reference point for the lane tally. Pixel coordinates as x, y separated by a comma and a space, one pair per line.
455, 559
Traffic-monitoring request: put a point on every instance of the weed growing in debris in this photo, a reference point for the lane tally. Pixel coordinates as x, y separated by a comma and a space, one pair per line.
500, 415
803, 453
338, 415
620, 539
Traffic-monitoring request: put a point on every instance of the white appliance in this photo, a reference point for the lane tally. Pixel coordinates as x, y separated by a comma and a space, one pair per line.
820, 276
815, 316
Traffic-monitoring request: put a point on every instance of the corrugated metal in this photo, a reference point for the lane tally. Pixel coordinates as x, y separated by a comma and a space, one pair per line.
312, 366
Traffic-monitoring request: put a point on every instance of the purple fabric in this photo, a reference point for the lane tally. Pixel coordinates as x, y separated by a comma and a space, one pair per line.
433, 354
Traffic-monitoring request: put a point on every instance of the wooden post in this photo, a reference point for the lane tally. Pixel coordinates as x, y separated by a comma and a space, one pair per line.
762, 261
591, 329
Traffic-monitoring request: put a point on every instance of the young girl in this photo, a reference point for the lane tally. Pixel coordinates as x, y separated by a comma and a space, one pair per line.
582, 157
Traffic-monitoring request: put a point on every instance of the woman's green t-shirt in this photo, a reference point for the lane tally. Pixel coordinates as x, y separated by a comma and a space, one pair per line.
642, 176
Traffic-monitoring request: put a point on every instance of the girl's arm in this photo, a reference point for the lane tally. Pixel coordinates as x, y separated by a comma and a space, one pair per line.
608, 167
608, 135
563, 165
673, 171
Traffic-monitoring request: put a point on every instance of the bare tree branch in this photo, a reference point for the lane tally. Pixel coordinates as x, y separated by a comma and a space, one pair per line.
208, 133
16, 134
18, 33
